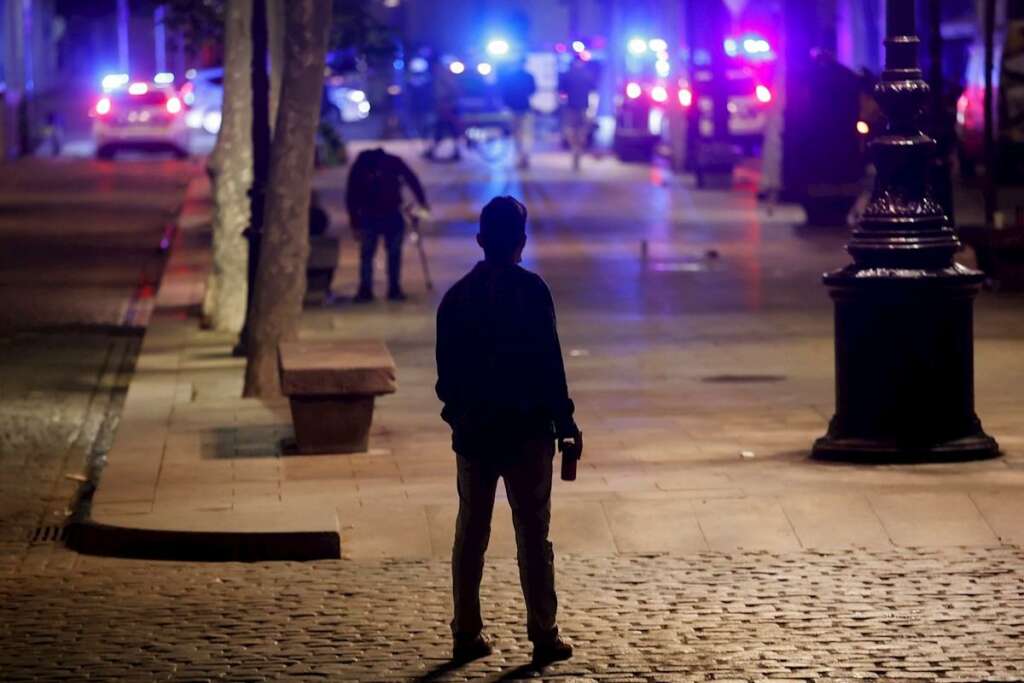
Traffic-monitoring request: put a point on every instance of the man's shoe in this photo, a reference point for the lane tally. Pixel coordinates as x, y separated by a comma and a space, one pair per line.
467, 650
362, 296
554, 650
397, 295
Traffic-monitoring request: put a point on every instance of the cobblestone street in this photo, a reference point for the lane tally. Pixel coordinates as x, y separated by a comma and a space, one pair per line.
944, 615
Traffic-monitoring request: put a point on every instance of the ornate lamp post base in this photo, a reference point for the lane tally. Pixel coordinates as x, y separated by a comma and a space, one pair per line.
904, 366
904, 336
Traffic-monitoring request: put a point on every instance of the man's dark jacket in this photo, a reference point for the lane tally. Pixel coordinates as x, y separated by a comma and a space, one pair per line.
375, 186
499, 363
516, 88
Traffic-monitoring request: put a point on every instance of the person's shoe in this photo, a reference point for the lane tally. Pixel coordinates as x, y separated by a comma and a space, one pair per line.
476, 648
397, 295
363, 296
553, 650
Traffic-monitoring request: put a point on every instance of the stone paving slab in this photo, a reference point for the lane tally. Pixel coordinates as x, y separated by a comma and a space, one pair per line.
675, 377
890, 615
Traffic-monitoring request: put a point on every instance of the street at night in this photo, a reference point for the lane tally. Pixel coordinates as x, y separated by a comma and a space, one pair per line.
757, 475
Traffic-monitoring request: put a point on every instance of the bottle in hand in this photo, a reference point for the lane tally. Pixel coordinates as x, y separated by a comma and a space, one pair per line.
571, 449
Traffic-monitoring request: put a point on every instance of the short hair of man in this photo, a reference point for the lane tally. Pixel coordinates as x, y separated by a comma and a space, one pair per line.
502, 227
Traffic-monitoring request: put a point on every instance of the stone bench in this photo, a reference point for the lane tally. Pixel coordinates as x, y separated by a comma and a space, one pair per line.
331, 386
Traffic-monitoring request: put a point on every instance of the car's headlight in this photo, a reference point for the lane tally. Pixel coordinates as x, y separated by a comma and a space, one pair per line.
211, 122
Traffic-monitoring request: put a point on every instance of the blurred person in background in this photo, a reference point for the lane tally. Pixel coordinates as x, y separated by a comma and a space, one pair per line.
517, 86
446, 108
374, 201
576, 84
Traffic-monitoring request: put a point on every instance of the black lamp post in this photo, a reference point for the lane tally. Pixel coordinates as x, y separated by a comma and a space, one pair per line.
903, 308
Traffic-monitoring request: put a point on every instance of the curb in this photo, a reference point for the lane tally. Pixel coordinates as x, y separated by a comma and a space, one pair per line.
91, 538
112, 538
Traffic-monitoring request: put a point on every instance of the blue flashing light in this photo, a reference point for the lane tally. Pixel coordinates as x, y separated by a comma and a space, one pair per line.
498, 47
578, 46
114, 81
749, 45
637, 46
399, 64
484, 69
418, 65
456, 67
754, 46
657, 45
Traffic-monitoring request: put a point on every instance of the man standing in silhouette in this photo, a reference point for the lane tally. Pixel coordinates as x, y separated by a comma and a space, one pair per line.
502, 382
374, 201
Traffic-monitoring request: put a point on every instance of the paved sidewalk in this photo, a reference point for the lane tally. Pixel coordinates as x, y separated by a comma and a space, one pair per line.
701, 383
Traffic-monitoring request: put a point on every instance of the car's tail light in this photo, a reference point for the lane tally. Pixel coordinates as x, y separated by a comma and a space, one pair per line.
173, 105
685, 97
763, 94
659, 94
103, 106
633, 90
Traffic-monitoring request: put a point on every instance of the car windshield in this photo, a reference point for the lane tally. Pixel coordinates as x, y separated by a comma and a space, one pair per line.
148, 99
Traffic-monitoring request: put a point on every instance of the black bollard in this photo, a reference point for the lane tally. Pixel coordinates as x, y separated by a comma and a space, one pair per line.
904, 308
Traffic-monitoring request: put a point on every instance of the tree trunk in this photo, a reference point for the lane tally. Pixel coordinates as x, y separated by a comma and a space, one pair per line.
230, 166
281, 274
275, 34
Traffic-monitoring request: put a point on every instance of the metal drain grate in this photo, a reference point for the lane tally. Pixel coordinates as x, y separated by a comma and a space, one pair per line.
739, 379
47, 534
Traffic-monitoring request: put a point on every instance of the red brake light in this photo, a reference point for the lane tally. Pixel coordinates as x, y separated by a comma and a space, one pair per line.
763, 94
103, 106
659, 94
633, 90
685, 97
173, 105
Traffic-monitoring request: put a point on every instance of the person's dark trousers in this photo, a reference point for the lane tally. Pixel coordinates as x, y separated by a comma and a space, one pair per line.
392, 229
527, 476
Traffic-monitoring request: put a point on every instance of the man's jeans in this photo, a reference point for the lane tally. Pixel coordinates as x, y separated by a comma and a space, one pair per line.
527, 476
392, 229
522, 133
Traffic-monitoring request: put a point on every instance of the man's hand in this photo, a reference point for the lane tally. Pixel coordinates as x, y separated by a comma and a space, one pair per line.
420, 212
